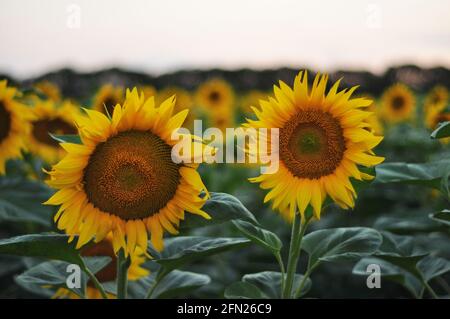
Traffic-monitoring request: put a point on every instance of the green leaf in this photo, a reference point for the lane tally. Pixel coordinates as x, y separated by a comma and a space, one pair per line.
21, 201
428, 174
442, 131
53, 274
69, 138
442, 217
176, 283
244, 290
260, 236
407, 223
181, 250
390, 272
432, 266
338, 244
221, 207
269, 282
50, 246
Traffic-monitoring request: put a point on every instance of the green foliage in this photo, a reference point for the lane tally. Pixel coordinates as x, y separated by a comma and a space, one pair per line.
179, 251
442, 131
222, 208
340, 244
21, 201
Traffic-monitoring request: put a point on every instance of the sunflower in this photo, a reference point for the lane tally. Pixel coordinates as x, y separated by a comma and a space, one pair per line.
122, 177
374, 120
322, 140
49, 89
109, 272
398, 104
184, 101
434, 116
107, 97
14, 124
215, 95
49, 117
437, 98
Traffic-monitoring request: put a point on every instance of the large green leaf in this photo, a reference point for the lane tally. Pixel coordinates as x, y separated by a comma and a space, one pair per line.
176, 283
428, 174
181, 250
390, 272
260, 236
407, 223
53, 274
263, 285
442, 217
338, 244
49, 246
244, 290
269, 282
442, 131
21, 201
221, 207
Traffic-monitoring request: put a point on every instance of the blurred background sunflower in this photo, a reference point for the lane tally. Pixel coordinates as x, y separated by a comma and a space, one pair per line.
398, 104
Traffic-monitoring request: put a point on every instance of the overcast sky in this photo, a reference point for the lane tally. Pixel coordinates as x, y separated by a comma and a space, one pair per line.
37, 36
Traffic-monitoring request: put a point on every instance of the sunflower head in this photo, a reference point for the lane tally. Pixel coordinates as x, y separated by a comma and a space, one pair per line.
49, 89
51, 118
14, 124
398, 104
106, 98
122, 178
215, 95
109, 272
434, 116
437, 98
323, 138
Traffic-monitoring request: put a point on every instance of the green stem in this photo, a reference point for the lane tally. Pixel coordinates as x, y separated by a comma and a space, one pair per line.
430, 290
298, 230
159, 276
308, 272
283, 272
122, 275
97, 284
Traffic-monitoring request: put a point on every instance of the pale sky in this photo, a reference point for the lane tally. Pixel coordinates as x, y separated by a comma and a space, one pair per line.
38, 36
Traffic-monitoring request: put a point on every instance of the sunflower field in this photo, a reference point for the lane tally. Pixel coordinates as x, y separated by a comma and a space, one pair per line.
94, 205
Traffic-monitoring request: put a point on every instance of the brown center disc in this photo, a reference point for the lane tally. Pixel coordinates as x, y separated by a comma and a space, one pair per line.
42, 128
131, 175
311, 144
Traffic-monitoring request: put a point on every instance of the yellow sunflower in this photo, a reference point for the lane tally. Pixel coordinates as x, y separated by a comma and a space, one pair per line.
398, 104
14, 125
49, 89
122, 178
374, 119
107, 97
215, 95
434, 116
109, 272
323, 137
184, 101
49, 117
437, 98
